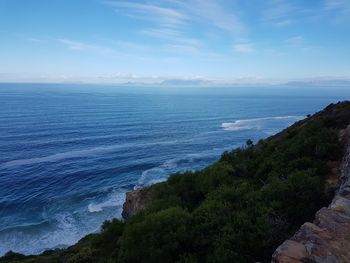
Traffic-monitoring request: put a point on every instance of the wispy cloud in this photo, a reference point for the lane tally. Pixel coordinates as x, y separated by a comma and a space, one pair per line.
81, 46
243, 48
284, 13
33, 39
277, 10
172, 35
130, 46
179, 14
300, 43
215, 13
340, 8
284, 23
151, 12
294, 41
182, 49
343, 5
165, 21
173, 21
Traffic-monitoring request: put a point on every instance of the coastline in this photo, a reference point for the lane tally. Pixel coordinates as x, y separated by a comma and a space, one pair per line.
183, 195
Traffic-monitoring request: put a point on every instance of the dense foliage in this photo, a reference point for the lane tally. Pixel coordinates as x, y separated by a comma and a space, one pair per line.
237, 210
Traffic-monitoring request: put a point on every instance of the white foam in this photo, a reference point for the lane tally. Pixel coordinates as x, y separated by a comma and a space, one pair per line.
37, 240
93, 208
64, 228
257, 123
112, 200
160, 173
156, 174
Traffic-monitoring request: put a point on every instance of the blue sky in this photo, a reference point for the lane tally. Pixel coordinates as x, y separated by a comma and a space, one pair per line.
219, 40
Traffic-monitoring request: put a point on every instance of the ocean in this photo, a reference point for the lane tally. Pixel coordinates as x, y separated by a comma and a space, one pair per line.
69, 153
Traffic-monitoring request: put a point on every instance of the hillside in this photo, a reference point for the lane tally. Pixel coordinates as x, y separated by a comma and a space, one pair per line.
239, 209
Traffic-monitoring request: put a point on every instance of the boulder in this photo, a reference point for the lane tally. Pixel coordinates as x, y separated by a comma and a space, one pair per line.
135, 202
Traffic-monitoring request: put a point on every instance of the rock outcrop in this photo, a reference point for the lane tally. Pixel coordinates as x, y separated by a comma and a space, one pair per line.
135, 202
327, 239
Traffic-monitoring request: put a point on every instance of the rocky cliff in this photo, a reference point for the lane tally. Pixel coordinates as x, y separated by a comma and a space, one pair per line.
327, 239
135, 202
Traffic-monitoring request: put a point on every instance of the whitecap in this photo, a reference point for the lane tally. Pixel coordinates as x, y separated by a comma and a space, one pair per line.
63, 229
114, 199
156, 174
258, 123
93, 208
161, 172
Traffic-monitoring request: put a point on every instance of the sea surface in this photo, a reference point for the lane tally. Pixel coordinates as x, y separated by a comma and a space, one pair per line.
68, 153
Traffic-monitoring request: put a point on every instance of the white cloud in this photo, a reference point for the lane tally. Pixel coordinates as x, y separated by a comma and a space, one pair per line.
124, 78
243, 45
339, 8
215, 13
33, 39
243, 48
156, 13
283, 13
131, 46
81, 46
284, 23
172, 35
162, 32
300, 43
277, 10
337, 4
171, 21
295, 41
182, 49
179, 13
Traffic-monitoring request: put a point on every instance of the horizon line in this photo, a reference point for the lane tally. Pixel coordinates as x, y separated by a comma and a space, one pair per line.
185, 81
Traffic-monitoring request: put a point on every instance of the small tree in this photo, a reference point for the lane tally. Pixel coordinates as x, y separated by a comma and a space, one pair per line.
249, 143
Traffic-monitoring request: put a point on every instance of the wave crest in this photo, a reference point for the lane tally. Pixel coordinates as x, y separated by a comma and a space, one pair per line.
259, 123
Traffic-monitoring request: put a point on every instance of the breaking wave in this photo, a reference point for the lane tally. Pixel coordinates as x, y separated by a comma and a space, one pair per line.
62, 228
190, 162
259, 123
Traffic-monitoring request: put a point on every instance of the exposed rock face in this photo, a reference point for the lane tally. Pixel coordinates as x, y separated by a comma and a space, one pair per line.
327, 239
135, 202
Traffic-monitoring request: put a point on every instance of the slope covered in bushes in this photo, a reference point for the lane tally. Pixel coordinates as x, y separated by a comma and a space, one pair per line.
238, 209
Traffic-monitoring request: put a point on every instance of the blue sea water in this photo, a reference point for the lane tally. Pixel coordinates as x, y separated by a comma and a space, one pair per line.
70, 152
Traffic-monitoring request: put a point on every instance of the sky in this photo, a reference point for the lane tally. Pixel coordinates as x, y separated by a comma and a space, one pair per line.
156, 40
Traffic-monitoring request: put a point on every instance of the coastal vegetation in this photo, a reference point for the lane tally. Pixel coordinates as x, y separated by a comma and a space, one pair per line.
238, 209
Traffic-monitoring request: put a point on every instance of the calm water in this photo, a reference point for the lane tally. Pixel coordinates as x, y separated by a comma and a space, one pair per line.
70, 152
